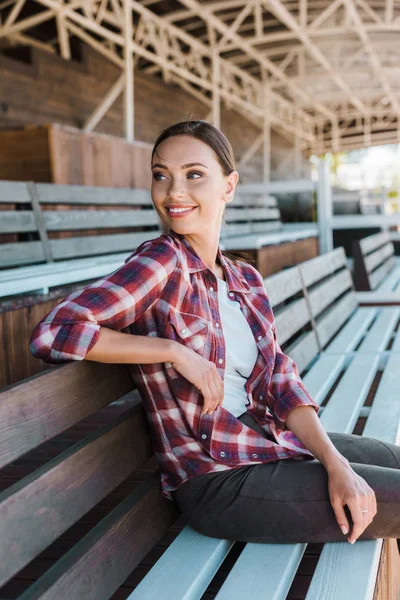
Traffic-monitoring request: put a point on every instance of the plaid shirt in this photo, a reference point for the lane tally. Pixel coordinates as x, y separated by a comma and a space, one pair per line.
164, 289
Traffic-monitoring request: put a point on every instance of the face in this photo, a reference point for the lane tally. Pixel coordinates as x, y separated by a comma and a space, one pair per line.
186, 173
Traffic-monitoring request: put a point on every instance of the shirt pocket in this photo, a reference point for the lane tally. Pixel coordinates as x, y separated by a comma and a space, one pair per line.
189, 330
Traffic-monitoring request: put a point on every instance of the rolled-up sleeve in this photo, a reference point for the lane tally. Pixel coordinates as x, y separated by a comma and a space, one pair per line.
287, 391
72, 328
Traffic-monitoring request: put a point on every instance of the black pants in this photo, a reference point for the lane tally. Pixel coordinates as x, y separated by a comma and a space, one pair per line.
287, 501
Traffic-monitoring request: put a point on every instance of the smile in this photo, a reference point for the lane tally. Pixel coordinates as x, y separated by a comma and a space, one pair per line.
180, 212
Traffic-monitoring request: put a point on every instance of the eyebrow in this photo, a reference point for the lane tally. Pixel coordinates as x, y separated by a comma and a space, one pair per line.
187, 166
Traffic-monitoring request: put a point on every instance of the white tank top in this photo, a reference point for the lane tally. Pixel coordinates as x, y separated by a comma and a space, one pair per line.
241, 352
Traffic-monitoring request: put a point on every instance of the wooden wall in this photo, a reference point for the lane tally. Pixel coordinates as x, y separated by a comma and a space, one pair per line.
52, 90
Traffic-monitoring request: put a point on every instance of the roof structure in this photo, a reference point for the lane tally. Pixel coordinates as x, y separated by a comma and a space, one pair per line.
324, 74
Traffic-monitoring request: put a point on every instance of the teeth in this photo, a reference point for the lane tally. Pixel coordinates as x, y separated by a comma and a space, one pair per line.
176, 210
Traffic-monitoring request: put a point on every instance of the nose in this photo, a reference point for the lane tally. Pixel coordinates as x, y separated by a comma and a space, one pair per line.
177, 189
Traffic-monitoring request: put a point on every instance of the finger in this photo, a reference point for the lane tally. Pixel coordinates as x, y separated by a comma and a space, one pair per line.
207, 396
214, 401
340, 516
358, 519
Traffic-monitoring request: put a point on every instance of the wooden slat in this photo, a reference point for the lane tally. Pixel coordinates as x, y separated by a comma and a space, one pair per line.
378, 336
304, 350
39, 508
288, 322
378, 257
41, 407
330, 323
99, 244
98, 219
371, 242
350, 335
81, 194
283, 285
247, 214
104, 558
14, 192
20, 221
379, 274
317, 268
18, 253
327, 292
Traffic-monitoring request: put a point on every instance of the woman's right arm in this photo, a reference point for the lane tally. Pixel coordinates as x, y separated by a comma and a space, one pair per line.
89, 322
117, 347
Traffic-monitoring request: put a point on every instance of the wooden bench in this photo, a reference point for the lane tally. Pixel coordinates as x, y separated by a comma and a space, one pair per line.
66, 251
53, 477
376, 269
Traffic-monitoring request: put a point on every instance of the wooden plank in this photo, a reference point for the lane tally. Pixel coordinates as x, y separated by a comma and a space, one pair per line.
330, 323
103, 559
372, 242
304, 350
379, 274
377, 338
248, 213
20, 221
32, 413
38, 509
40, 224
81, 194
391, 281
185, 569
14, 192
99, 244
323, 374
378, 257
20, 253
98, 219
378, 298
317, 268
327, 292
351, 334
288, 322
283, 285
388, 580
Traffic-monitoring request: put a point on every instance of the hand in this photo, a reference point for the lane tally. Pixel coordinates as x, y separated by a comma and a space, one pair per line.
202, 373
347, 487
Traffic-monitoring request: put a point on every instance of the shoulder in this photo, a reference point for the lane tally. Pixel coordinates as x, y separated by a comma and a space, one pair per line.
161, 250
250, 273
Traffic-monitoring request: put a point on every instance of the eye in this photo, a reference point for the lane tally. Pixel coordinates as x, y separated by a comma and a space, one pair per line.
194, 173
157, 176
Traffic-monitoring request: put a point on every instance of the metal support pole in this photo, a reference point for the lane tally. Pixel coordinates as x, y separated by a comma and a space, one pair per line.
216, 97
128, 67
324, 205
267, 135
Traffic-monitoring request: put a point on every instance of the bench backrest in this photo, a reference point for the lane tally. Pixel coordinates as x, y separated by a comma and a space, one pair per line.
294, 324
374, 257
50, 481
61, 222
329, 289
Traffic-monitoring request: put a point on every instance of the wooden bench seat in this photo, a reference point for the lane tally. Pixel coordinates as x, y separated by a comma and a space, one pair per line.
341, 325
376, 267
43, 503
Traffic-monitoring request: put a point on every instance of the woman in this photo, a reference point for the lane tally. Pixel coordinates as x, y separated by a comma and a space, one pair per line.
240, 446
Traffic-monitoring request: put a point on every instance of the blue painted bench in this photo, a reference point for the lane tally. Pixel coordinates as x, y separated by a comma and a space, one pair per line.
51, 488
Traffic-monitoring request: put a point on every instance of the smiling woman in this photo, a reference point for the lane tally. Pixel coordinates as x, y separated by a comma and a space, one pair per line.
235, 431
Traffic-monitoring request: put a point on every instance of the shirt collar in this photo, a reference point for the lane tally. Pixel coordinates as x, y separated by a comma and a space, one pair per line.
234, 278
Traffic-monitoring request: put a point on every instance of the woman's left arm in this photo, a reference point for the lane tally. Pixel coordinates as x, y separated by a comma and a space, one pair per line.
345, 485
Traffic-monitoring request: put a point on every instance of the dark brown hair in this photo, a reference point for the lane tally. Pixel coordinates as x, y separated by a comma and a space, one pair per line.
213, 137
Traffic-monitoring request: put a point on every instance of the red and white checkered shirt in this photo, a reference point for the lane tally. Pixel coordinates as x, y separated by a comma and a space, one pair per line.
165, 290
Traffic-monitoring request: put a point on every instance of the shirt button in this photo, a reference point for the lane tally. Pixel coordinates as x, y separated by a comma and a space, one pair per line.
259, 337
183, 330
261, 397
255, 455
222, 454
203, 436
231, 294
216, 324
220, 361
211, 289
